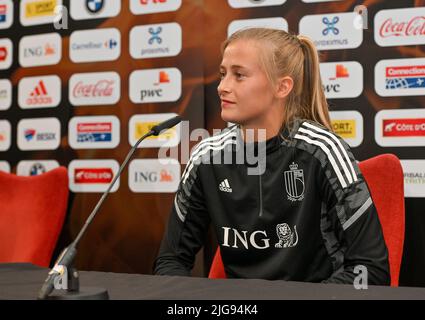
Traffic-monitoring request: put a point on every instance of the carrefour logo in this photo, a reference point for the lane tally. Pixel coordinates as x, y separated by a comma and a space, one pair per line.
95, 45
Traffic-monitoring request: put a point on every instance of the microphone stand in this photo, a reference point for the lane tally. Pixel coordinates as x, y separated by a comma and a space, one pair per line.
64, 277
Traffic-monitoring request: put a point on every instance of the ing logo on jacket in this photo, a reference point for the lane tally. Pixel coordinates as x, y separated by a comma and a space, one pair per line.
259, 239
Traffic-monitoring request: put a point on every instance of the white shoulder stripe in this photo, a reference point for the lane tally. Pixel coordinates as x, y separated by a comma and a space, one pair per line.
334, 149
215, 140
358, 213
331, 158
339, 144
201, 153
179, 214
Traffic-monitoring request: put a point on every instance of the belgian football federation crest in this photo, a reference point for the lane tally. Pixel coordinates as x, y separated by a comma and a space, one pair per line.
94, 6
294, 183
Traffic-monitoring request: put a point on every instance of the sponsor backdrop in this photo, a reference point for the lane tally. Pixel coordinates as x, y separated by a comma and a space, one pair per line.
80, 91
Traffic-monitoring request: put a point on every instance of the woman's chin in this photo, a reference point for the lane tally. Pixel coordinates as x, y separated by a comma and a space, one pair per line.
228, 117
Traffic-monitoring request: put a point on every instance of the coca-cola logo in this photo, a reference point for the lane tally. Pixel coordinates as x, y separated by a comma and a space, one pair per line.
102, 88
413, 27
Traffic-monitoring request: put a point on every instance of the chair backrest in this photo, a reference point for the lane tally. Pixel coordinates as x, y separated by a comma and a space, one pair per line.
32, 213
384, 177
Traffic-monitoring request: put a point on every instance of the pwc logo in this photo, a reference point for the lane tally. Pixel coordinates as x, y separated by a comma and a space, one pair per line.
6, 14
36, 12
404, 127
94, 9
6, 53
255, 3
35, 167
332, 31
154, 6
342, 79
39, 134
348, 125
40, 50
5, 166
92, 175
5, 135
400, 27
139, 125
274, 23
98, 88
95, 45
156, 40
400, 77
155, 85
94, 132
154, 175
39, 92
5, 94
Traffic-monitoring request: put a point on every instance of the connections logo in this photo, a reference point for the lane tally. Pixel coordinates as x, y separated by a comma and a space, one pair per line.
400, 77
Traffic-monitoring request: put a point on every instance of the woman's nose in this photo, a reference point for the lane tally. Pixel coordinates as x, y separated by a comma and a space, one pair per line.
223, 87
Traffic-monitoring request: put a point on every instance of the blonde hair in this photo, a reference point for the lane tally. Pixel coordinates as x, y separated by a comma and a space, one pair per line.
284, 54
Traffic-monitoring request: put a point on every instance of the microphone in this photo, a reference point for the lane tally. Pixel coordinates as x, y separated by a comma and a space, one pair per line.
165, 125
66, 258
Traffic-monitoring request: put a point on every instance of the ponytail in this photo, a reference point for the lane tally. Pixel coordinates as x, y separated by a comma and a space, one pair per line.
312, 95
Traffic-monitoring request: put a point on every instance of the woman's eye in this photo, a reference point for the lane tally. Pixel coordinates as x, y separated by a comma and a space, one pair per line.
222, 75
239, 75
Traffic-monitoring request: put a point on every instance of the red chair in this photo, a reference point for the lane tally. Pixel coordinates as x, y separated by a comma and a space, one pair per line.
384, 176
31, 216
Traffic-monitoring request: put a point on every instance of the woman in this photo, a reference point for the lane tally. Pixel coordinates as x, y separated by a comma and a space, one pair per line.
307, 214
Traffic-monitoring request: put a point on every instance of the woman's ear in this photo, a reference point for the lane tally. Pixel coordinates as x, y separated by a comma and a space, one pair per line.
284, 87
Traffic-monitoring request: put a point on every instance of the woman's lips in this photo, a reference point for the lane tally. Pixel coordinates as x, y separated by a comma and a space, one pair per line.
226, 103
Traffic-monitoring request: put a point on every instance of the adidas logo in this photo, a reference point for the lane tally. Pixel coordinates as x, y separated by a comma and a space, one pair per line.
39, 95
225, 186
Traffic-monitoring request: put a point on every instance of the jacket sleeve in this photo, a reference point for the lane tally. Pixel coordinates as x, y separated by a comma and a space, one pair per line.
187, 227
353, 217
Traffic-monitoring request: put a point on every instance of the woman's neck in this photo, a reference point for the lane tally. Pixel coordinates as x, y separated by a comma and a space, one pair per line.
262, 130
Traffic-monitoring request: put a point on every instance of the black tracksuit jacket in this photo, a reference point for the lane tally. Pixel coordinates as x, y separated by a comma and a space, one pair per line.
306, 215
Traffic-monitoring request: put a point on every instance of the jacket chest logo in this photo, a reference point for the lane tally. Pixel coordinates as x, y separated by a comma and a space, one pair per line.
287, 238
294, 183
